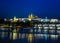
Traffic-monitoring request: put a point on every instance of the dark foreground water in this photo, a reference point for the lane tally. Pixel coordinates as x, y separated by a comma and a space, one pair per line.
6, 35
26, 41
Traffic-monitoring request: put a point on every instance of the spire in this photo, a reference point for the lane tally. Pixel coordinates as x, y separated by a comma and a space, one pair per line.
15, 19
31, 16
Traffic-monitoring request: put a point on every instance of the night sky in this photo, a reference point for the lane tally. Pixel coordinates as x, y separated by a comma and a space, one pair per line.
22, 8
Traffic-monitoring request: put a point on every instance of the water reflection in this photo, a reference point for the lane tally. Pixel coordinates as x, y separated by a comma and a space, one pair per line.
36, 34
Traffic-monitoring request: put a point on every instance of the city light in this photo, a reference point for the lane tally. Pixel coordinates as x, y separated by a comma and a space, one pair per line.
30, 28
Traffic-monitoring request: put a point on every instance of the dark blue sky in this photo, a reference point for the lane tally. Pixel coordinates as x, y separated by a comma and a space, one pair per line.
22, 8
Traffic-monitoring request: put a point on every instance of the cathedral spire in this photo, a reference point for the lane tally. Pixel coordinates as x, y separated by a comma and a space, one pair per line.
31, 16
15, 19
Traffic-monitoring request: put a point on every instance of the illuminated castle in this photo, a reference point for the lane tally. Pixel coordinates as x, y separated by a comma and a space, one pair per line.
41, 28
31, 16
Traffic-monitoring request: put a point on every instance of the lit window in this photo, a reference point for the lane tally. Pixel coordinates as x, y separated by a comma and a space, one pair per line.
42, 20
45, 31
58, 27
52, 27
51, 31
51, 24
45, 27
39, 27
45, 24
54, 20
